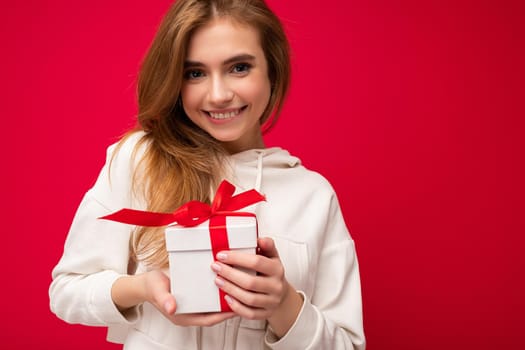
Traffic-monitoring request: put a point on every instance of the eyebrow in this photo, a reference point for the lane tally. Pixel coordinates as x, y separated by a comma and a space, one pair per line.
237, 58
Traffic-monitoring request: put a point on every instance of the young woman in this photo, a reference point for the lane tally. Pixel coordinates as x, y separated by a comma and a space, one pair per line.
214, 78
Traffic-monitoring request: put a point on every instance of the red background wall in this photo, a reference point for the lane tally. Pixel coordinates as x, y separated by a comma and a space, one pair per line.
412, 109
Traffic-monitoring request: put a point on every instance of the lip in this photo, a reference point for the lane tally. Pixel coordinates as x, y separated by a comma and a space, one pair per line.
224, 120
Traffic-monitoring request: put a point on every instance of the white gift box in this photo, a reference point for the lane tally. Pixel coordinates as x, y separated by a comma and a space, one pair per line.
190, 258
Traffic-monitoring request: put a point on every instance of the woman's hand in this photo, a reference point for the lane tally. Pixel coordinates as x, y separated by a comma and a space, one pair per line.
267, 295
154, 287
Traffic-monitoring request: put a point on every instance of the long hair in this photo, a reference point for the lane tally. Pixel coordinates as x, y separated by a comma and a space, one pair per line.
182, 162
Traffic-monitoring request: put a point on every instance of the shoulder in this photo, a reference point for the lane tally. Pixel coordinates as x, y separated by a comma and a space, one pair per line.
308, 180
297, 186
123, 157
113, 187
317, 180
132, 145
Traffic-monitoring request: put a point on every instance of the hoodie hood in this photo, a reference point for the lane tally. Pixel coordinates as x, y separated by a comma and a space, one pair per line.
251, 166
274, 157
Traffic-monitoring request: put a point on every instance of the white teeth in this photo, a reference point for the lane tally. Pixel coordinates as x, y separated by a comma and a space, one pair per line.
224, 115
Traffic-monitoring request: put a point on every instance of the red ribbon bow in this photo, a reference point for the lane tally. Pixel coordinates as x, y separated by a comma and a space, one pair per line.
193, 213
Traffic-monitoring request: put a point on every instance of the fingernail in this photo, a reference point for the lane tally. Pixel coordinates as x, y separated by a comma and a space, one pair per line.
228, 299
222, 256
219, 282
215, 267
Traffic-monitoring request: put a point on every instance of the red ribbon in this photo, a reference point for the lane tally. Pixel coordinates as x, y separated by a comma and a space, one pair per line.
194, 213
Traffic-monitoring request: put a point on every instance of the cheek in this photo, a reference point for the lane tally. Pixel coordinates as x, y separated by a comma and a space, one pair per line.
258, 92
190, 98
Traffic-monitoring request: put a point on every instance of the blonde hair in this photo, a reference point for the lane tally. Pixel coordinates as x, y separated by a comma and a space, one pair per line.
182, 162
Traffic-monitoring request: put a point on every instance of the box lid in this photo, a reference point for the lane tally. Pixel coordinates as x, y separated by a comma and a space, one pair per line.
242, 233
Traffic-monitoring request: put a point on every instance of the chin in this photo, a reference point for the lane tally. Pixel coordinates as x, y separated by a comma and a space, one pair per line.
225, 138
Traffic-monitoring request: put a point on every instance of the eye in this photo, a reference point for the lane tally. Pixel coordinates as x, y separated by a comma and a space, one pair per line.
241, 68
193, 74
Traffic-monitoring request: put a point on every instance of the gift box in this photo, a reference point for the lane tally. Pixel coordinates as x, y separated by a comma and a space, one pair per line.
195, 233
191, 253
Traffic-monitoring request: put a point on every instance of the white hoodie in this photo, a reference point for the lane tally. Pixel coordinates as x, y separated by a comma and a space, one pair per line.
301, 214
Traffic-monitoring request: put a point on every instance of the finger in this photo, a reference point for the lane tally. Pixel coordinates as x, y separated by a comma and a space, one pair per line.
249, 298
258, 263
245, 311
159, 286
256, 283
267, 247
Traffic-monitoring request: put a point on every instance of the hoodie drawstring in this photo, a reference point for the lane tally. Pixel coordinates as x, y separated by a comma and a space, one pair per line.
258, 179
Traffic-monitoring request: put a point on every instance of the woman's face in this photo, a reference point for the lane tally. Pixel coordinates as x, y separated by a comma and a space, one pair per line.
226, 86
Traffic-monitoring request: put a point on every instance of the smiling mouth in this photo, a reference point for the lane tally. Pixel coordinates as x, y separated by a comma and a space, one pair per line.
225, 115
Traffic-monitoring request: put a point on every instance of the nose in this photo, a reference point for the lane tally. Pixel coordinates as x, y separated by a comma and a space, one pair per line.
220, 92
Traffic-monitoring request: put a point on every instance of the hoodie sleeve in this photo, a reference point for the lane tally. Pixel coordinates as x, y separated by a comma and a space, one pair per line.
332, 317
96, 252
